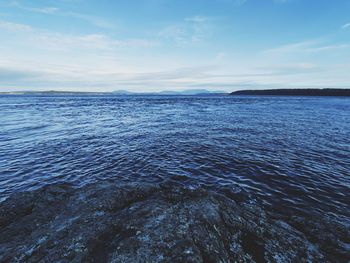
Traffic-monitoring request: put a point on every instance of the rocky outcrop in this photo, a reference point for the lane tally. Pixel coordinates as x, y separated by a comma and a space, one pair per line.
153, 223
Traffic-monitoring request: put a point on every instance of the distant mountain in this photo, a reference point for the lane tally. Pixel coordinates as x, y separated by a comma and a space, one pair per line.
171, 92
191, 92
123, 92
294, 92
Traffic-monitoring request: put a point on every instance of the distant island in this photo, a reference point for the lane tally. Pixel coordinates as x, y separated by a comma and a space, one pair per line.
295, 92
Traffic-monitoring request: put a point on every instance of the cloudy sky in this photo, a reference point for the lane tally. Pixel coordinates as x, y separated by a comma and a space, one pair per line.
151, 45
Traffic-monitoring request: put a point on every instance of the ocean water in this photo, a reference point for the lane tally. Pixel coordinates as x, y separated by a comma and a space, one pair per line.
291, 154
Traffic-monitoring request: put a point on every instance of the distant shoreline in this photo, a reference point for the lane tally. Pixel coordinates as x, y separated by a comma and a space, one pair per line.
295, 92
267, 92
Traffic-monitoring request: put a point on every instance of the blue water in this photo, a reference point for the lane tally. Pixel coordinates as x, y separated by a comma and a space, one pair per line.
291, 154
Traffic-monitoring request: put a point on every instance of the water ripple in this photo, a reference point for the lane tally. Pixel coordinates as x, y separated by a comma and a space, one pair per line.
292, 154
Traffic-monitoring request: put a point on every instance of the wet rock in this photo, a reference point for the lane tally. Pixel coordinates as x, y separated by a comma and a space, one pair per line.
150, 223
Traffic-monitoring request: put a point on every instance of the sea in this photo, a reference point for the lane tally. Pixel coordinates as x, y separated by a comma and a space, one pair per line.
291, 155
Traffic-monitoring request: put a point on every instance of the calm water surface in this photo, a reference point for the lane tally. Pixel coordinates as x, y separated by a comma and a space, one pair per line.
292, 154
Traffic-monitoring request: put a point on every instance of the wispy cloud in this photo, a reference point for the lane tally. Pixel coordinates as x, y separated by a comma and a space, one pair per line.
43, 10
306, 46
13, 27
106, 77
345, 26
180, 78
52, 10
235, 2
44, 39
191, 30
97, 21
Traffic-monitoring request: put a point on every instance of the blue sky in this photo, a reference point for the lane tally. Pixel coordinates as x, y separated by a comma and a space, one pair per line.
151, 45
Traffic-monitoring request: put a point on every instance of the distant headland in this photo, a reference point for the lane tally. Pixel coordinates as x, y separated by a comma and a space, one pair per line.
295, 92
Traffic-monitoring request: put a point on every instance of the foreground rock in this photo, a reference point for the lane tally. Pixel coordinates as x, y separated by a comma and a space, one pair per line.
155, 223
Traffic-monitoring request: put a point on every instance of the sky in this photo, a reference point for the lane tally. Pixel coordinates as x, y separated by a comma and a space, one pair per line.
153, 45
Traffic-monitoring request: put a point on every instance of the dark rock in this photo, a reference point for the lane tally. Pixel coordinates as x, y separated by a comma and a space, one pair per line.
152, 223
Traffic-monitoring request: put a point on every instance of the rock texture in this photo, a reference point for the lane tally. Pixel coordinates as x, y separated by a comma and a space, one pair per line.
156, 223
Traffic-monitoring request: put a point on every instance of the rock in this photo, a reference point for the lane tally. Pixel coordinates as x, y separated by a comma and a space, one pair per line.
110, 222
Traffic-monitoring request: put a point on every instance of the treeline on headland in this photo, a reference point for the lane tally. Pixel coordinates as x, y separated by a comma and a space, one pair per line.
295, 92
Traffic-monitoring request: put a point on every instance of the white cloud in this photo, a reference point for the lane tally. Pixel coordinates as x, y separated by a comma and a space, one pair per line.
97, 21
44, 39
108, 78
235, 2
51, 10
43, 10
95, 72
10, 26
191, 30
306, 46
345, 26
36, 58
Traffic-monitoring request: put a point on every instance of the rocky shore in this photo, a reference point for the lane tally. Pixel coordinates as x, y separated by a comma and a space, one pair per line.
158, 223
